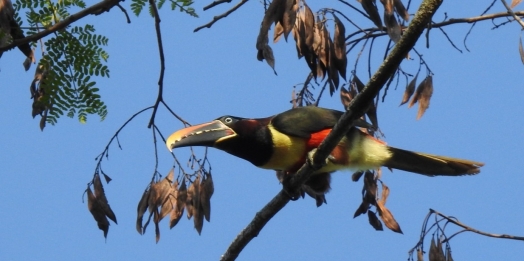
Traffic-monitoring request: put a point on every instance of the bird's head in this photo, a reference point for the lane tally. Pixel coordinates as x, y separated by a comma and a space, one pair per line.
248, 139
205, 134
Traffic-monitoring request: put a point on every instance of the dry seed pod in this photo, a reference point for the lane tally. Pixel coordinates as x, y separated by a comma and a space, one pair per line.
401, 10
385, 193
420, 255
448, 254
98, 213
362, 209
370, 185
101, 198
267, 52
141, 209
433, 252
309, 26
423, 93
374, 221
289, 16
277, 32
157, 227
176, 212
189, 200
410, 89
388, 218
339, 47
206, 191
370, 6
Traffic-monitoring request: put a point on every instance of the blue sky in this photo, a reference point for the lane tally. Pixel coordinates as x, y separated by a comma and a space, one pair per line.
475, 113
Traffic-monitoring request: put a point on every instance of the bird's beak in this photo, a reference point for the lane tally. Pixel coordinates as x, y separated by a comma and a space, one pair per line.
205, 134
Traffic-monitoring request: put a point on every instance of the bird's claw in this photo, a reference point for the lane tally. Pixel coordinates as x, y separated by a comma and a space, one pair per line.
293, 194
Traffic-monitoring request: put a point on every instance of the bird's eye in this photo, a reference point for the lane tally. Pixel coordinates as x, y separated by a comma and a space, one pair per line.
228, 120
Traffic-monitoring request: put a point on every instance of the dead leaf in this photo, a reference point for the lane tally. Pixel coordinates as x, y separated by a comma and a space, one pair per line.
425, 96
515, 3
362, 209
410, 89
206, 191
393, 28
401, 10
98, 213
157, 227
178, 210
268, 55
289, 16
141, 209
198, 213
370, 7
277, 32
370, 186
433, 251
339, 47
441, 255
448, 254
356, 176
374, 221
387, 218
420, 255
107, 178
385, 193
101, 198
189, 200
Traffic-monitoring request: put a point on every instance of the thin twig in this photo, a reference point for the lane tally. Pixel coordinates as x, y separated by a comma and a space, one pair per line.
355, 111
125, 12
105, 152
517, 18
468, 228
215, 3
218, 17
162, 62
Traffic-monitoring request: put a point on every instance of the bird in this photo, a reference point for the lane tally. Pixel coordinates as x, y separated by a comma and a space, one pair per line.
283, 142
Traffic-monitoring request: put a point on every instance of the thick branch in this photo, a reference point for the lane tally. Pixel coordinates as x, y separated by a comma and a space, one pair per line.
356, 109
95, 9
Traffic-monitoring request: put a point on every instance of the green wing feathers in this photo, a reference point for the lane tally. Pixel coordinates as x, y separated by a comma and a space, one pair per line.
431, 165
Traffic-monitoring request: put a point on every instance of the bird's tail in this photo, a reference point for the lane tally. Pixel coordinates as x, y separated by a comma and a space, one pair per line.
431, 165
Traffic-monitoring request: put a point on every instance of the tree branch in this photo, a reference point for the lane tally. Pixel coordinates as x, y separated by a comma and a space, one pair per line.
510, 11
218, 17
95, 9
356, 109
467, 228
159, 98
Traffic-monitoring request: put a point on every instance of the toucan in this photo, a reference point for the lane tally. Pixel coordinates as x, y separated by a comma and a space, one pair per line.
283, 142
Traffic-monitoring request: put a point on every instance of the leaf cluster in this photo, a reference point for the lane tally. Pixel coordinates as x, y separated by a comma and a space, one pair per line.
63, 82
168, 197
370, 197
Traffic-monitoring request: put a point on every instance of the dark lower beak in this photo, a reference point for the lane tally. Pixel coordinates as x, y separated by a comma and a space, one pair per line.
205, 134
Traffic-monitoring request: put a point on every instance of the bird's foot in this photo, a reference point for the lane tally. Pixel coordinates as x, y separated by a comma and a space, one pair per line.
293, 194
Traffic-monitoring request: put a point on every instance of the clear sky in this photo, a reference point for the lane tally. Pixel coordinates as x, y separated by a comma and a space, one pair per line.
475, 113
